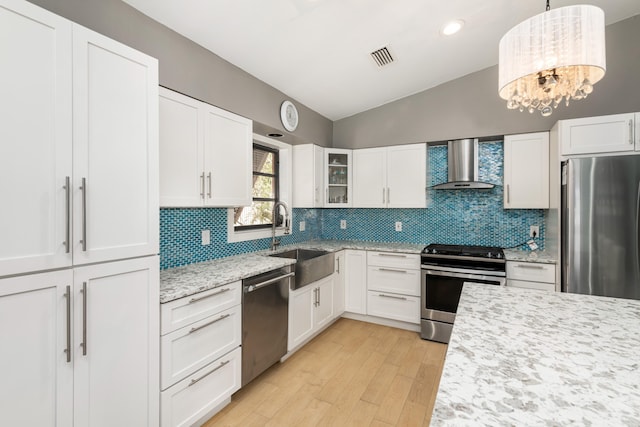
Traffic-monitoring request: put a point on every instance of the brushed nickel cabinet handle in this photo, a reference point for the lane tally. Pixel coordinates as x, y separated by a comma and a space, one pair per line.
84, 318
392, 255
338, 265
392, 296
83, 187
202, 185
531, 267
383, 202
318, 297
224, 316
508, 198
67, 296
192, 300
630, 131
210, 188
67, 214
392, 270
208, 373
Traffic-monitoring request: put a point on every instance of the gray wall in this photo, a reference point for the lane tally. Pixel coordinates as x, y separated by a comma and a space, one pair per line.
193, 70
470, 106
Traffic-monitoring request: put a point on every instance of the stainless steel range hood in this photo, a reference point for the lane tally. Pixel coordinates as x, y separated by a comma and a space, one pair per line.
463, 166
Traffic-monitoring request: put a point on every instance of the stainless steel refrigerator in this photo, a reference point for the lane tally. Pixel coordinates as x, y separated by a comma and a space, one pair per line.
600, 226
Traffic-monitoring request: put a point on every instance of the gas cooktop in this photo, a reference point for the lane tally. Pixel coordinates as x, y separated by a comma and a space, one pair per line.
464, 251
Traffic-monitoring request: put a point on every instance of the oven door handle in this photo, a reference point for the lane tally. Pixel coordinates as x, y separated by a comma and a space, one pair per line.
465, 276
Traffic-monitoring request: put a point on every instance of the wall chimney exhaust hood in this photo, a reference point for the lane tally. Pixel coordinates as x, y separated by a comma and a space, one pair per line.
463, 166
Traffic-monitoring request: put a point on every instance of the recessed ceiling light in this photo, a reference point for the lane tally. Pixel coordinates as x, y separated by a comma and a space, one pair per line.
452, 27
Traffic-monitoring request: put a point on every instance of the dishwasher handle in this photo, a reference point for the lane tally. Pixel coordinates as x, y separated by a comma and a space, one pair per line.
251, 288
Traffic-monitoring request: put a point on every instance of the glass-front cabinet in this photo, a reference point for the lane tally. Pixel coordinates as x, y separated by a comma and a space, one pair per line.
338, 182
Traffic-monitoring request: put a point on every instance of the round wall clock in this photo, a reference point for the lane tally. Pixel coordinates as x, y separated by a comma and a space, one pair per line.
289, 116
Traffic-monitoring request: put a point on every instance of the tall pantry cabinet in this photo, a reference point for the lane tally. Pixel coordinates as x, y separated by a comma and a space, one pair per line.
79, 229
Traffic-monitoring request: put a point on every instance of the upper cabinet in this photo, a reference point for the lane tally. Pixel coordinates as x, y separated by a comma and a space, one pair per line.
526, 171
78, 162
390, 177
308, 176
603, 134
338, 178
205, 154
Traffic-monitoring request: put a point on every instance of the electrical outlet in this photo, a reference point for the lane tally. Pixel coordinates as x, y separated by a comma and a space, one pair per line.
303, 225
398, 226
534, 229
206, 237
343, 224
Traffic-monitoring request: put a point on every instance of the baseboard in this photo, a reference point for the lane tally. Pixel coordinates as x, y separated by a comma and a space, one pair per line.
382, 321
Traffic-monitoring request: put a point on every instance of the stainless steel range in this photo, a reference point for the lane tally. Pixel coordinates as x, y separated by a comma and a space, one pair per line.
445, 268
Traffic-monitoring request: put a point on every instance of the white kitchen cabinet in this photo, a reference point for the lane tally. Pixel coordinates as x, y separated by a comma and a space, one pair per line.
116, 348
393, 286
83, 182
637, 130
115, 150
526, 171
310, 310
200, 354
308, 176
339, 277
602, 134
338, 178
35, 153
37, 379
205, 154
390, 177
531, 275
355, 267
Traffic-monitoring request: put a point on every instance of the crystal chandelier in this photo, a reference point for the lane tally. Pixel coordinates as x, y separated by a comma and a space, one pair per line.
558, 54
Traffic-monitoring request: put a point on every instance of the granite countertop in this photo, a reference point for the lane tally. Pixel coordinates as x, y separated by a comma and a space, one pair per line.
530, 256
190, 279
524, 357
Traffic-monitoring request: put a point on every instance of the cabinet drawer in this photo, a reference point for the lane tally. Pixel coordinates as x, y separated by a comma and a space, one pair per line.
394, 280
532, 285
531, 271
196, 396
393, 259
392, 306
184, 311
190, 348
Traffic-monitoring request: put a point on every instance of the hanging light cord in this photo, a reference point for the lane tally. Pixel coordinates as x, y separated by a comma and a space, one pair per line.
548, 7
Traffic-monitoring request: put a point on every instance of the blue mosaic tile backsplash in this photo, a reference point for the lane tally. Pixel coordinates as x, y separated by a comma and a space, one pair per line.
474, 217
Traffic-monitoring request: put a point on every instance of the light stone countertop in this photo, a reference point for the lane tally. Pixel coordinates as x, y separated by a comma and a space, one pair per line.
521, 357
530, 256
190, 279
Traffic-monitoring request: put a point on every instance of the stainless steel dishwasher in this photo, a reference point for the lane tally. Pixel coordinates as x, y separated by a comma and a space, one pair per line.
265, 317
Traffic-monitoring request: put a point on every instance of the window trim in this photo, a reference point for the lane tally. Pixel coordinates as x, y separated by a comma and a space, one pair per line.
285, 171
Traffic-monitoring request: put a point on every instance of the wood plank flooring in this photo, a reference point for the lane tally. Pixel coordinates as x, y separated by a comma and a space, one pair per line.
353, 374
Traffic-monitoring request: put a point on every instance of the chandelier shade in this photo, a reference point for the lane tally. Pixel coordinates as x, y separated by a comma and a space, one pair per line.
558, 54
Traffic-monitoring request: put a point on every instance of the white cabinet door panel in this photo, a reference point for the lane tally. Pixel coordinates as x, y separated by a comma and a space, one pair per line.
37, 379
323, 312
356, 281
390, 306
115, 143
116, 382
396, 280
35, 152
407, 176
181, 150
339, 285
301, 316
228, 160
602, 134
526, 171
369, 178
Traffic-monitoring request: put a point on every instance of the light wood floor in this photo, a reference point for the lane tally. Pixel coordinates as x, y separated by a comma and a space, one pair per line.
353, 374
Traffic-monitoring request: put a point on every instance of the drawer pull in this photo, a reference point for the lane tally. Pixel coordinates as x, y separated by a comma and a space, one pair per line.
224, 316
392, 296
208, 373
192, 300
392, 270
531, 267
393, 255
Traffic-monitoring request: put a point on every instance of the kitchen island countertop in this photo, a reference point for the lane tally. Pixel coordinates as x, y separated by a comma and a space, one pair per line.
525, 357
190, 279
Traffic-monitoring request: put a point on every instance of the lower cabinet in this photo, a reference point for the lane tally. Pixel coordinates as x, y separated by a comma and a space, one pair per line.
339, 284
355, 293
392, 306
87, 342
531, 275
310, 309
200, 351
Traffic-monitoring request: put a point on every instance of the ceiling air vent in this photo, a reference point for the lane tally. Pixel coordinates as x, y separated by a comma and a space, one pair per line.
382, 57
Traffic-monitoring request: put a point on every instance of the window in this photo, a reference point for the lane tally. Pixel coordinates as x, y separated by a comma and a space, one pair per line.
265, 191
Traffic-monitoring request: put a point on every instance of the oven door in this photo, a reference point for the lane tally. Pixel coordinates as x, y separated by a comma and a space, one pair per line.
441, 291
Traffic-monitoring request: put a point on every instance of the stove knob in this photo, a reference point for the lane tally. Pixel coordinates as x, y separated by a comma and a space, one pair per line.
489, 255
433, 251
499, 255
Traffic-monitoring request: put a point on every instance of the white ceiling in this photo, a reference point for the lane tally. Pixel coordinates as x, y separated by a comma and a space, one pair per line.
317, 51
